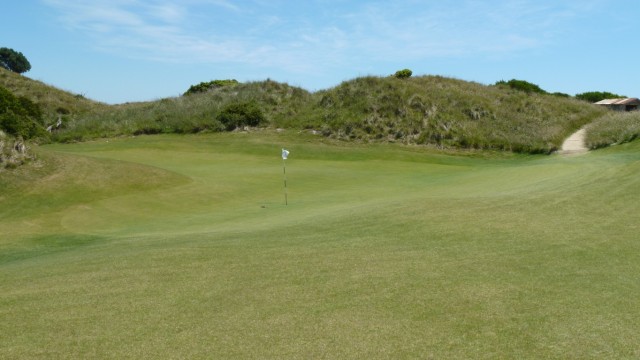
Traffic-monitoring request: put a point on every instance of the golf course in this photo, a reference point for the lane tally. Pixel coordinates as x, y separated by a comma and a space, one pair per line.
181, 247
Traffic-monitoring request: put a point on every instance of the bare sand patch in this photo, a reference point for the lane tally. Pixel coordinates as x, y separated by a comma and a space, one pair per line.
575, 144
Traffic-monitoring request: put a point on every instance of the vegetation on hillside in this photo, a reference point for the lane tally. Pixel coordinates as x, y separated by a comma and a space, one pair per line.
428, 110
20, 119
447, 113
403, 74
54, 103
595, 96
19, 116
27, 109
613, 128
13, 152
521, 85
210, 85
268, 101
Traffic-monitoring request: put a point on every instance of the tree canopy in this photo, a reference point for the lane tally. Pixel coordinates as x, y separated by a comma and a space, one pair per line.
595, 96
14, 61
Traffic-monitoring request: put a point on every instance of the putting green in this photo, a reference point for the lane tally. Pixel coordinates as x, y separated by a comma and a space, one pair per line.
181, 246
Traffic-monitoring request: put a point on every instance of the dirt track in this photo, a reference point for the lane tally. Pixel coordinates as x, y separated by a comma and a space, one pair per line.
575, 143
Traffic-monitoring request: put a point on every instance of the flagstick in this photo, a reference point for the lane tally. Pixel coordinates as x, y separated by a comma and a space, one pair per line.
284, 172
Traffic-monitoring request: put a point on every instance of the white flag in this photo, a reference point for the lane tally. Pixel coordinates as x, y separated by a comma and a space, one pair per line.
285, 153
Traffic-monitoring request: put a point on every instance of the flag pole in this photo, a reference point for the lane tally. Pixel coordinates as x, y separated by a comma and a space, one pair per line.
284, 172
285, 154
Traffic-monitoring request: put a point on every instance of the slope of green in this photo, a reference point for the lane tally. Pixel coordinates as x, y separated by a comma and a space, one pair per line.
181, 247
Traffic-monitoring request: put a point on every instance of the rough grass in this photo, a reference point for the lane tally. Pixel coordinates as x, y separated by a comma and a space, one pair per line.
188, 114
426, 110
613, 128
181, 247
54, 102
13, 152
449, 113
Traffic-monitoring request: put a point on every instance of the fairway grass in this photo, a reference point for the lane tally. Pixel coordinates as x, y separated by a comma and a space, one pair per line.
182, 247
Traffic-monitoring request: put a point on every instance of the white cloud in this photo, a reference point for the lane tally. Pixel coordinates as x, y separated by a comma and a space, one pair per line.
268, 34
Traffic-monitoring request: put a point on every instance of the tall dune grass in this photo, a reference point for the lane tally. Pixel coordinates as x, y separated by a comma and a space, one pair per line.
55, 103
188, 114
613, 128
448, 113
426, 110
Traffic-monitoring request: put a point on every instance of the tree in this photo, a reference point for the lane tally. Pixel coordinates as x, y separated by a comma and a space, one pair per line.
403, 74
595, 96
14, 61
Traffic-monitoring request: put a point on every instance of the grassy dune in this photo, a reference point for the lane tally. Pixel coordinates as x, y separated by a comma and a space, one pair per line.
53, 101
182, 247
427, 110
448, 113
613, 128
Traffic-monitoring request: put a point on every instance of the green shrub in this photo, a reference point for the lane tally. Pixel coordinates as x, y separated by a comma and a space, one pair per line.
206, 86
20, 116
595, 96
235, 115
403, 74
521, 85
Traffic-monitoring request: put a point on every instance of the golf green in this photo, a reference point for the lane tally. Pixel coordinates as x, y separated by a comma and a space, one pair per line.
182, 247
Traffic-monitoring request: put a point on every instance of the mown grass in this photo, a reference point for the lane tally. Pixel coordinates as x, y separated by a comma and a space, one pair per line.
613, 128
385, 251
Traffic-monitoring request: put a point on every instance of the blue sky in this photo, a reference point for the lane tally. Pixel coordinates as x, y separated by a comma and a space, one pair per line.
134, 50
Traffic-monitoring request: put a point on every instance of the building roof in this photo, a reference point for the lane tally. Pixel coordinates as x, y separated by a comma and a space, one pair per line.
624, 101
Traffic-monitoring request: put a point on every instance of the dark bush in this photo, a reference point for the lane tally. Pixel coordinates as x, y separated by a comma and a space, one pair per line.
20, 116
236, 115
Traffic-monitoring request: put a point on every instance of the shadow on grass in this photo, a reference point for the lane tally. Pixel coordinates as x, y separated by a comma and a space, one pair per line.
46, 245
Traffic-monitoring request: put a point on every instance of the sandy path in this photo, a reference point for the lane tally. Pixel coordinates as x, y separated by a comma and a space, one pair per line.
575, 143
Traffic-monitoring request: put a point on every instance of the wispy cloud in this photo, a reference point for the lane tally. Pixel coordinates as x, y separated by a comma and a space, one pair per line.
268, 34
